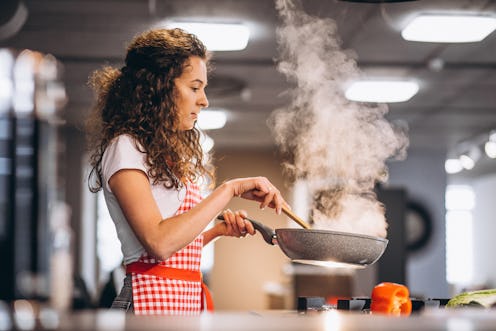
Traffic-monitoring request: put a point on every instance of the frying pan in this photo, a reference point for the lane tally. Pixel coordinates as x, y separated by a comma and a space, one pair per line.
324, 247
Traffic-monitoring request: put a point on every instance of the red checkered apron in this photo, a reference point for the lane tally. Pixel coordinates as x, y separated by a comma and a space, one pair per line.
173, 286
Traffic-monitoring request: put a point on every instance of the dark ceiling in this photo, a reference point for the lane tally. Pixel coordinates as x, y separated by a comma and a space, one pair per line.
456, 101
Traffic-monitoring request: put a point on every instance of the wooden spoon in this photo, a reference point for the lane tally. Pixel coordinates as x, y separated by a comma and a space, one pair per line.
295, 218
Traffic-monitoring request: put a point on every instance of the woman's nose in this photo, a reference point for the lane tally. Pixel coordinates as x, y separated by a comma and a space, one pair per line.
203, 100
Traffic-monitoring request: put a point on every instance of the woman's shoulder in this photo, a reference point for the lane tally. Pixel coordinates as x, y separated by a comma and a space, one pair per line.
122, 153
124, 149
126, 140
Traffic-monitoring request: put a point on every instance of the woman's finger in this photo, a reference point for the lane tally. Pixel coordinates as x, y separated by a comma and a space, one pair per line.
240, 223
228, 215
266, 194
237, 225
278, 201
249, 227
230, 221
267, 199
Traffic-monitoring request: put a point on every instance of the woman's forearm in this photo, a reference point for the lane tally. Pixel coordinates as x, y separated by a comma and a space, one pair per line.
211, 235
178, 231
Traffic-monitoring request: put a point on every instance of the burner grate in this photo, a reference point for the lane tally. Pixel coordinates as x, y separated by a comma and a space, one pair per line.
305, 304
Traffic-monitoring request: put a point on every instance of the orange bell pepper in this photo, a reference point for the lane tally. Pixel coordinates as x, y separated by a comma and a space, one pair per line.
391, 299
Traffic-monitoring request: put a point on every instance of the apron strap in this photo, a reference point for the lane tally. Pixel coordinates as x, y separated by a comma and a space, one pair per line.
172, 273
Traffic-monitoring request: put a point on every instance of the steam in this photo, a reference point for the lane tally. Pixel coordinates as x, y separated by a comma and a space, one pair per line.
339, 147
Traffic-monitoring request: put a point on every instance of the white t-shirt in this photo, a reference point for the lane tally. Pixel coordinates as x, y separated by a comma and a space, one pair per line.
123, 154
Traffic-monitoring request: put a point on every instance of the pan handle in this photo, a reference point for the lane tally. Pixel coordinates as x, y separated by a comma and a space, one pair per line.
268, 234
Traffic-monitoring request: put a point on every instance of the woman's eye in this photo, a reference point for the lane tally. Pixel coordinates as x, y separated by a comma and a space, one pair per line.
195, 89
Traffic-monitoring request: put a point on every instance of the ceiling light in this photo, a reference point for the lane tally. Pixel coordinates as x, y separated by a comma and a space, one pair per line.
469, 159
453, 166
217, 36
449, 28
490, 149
382, 91
212, 119
467, 162
490, 145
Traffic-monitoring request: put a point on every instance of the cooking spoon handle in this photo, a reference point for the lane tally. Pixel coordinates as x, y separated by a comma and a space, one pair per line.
295, 218
268, 234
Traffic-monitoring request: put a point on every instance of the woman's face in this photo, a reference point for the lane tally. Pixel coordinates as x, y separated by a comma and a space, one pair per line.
190, 96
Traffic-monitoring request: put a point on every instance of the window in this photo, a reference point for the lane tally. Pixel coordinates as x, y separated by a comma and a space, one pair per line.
460, 201
108, 245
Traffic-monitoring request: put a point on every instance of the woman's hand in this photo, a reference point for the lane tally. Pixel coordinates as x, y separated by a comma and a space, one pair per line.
259, 189
235, 224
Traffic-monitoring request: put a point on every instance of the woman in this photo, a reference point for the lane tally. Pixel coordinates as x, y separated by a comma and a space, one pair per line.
148, 160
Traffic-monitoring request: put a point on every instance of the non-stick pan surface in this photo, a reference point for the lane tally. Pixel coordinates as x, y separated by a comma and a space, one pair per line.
323, 246
330, 246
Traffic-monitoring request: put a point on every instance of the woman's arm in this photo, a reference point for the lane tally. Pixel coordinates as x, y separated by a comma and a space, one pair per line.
162, 238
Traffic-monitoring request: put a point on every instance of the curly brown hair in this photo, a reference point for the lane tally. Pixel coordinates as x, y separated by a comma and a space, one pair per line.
139, 100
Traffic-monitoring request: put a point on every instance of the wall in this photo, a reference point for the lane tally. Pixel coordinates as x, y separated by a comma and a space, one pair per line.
243, 267
423, 176
484, 231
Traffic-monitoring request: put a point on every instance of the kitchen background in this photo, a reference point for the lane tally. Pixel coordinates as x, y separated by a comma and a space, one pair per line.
440, 218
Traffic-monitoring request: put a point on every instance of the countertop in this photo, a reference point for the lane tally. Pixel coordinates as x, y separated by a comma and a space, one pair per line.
273, 320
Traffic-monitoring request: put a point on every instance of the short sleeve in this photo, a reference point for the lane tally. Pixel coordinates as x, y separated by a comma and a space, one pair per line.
121, 154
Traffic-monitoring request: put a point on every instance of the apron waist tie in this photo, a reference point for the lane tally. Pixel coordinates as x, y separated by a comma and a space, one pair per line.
172, 273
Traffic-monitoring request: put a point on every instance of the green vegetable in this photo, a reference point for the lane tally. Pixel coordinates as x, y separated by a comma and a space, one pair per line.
484, 298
